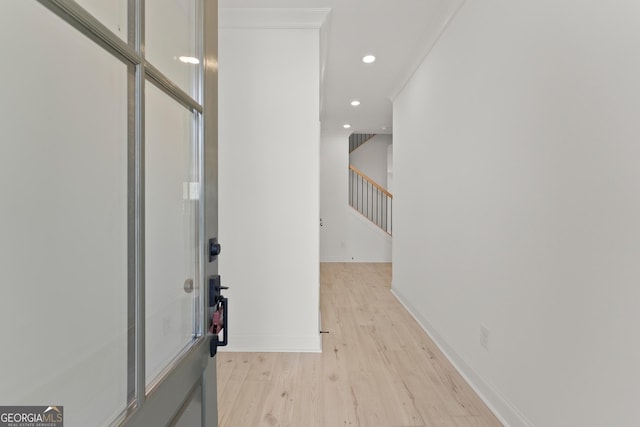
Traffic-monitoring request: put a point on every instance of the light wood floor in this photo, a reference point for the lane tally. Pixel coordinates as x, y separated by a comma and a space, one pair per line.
378, 368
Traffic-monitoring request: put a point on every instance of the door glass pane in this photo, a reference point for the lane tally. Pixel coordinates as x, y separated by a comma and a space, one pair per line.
170, 210
63, 218
170, 40
111, 13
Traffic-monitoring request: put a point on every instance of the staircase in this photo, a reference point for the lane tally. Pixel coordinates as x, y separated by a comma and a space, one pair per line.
357, 139
366, 196
371, 200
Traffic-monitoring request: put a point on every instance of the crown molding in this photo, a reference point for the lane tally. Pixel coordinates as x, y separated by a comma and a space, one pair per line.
272, 18
426, 45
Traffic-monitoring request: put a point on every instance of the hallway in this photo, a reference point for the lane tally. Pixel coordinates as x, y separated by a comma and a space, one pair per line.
378, 368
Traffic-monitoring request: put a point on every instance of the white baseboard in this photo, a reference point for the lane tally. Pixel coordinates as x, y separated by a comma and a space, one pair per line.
333, 259
349, 260
273, 344
501, 408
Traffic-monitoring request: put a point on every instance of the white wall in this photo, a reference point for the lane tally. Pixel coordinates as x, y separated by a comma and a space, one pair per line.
366, 242
334, 193
517, 192
345, 236
371, 158
269, 186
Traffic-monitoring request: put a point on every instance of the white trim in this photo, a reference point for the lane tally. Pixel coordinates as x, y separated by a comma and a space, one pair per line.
334, 258
347, 259
266, 343
420, 55
272, 18
501, 408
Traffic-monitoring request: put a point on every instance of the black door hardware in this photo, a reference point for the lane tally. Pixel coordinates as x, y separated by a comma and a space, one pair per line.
218, 306
214, 249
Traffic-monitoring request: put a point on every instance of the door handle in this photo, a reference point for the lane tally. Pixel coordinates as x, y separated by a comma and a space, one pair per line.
214, 290
219, 318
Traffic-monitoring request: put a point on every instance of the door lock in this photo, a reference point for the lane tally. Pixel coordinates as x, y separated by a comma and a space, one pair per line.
214, 249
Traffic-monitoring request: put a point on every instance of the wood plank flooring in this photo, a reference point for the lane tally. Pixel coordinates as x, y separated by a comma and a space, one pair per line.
378, 368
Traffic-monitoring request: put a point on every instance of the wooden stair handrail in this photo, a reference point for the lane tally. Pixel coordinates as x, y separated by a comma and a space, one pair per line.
372, 182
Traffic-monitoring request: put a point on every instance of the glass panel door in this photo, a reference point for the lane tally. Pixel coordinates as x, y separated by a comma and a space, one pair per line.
101, 218
172, 192
63, 219
170, 27
112, 14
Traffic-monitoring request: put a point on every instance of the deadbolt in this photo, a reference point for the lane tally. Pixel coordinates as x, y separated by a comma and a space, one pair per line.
188, 286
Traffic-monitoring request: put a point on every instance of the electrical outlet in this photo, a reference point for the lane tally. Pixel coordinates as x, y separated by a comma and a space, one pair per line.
484, 337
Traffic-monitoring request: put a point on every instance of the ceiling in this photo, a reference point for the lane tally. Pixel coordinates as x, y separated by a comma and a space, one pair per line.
398, 32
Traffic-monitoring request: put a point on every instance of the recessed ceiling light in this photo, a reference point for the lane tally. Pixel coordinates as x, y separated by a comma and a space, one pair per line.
189, 60
368, 59
346, 125
355, 102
